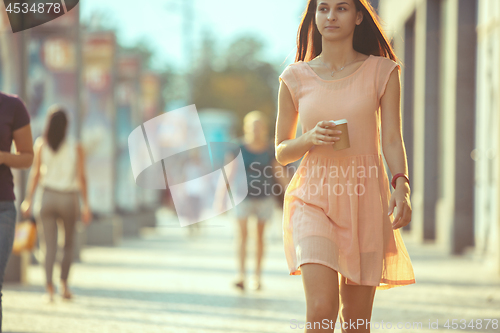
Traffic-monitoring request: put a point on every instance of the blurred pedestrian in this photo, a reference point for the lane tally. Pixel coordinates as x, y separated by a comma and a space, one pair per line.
194, 192
343, 241
261, 171
59, 168
14, 127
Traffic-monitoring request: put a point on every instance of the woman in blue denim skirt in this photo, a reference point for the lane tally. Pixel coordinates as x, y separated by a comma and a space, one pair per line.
14, 127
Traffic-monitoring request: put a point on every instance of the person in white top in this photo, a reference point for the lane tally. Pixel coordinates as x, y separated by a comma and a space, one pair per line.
59, 168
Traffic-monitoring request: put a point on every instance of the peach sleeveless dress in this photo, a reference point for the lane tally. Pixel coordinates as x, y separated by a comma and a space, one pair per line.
336, 205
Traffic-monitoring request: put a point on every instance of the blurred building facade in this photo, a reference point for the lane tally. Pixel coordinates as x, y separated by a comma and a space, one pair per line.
450, 55
107, 91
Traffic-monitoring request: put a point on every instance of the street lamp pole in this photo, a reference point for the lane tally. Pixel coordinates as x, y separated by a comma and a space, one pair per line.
188, 47
186, 9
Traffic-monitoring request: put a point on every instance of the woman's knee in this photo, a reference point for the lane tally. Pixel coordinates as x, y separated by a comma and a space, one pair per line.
322, 307
69, 238
242, 226
260, 230
68, 244
243, 234
322, 293
357, 304
50, 246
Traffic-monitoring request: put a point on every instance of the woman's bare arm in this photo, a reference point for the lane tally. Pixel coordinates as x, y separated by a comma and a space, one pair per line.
288, 148
394, 150
82, 179
392, 137
34, 175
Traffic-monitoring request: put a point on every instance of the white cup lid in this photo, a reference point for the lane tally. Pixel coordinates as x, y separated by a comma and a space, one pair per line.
341, 121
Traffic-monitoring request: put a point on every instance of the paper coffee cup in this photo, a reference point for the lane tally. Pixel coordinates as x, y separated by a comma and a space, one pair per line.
343, 143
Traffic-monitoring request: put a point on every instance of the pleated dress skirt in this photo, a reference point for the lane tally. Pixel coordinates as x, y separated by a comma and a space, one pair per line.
335, 214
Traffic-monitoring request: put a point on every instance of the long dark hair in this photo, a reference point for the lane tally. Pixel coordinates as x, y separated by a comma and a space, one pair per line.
57, 124
368, 36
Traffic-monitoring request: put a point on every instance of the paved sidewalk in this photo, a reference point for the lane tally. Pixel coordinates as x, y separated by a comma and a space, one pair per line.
167, 281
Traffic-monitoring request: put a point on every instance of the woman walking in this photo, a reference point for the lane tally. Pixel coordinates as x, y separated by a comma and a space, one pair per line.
14, 127
59, 167
262, 170
339, 231
258, 155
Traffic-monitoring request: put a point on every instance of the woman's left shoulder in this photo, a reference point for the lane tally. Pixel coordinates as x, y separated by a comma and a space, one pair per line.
381, 60
385, 66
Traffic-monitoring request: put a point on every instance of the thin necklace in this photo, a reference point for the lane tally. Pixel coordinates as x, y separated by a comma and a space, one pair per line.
333, 72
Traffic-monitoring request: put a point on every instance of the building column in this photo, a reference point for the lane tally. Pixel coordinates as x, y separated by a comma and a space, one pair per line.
486, 152
463, 228
455, 204
426, 120
407, 96
497, 164
432, 95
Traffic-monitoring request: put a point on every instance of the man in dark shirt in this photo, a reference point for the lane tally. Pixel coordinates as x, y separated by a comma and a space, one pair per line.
14, 127
13, 117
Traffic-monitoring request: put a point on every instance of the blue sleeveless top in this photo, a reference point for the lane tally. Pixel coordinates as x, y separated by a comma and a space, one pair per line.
259, 169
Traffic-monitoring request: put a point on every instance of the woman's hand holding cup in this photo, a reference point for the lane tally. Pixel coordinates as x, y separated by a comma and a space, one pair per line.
324, 133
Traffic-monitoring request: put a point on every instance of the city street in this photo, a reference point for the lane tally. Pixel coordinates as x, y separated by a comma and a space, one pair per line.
166, 281
112, 108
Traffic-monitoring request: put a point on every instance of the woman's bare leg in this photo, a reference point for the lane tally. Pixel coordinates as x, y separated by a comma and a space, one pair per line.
260, 249
66, 294
356, 303
242, 248
321, 287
